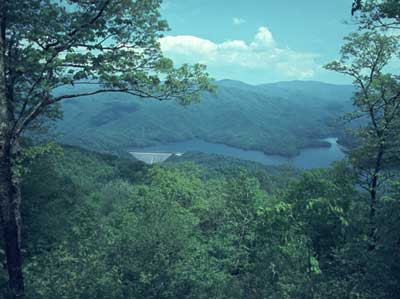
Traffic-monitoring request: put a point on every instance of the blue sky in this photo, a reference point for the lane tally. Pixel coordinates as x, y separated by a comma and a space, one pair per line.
258, 41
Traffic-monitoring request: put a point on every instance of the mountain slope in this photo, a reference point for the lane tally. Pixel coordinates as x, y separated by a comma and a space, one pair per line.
278, 118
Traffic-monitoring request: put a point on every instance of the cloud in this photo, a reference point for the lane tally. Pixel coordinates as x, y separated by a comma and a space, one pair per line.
238, 21
259, 61
263, 39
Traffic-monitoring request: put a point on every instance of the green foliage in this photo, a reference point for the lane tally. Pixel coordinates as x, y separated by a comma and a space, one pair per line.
322, 201
364, 58
54, 186
365, 245
379, 14
171, 233
99, 226
112, 46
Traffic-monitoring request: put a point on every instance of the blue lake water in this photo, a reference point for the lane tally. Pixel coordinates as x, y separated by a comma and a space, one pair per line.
308, 158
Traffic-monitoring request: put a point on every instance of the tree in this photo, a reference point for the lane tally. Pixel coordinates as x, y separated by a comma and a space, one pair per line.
95, 47
377, 100
321, 202
356, 6
377, 14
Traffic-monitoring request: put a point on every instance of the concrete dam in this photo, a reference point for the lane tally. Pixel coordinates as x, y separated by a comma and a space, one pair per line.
151, 158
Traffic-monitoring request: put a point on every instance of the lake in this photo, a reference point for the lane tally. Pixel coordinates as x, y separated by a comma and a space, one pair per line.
307, 159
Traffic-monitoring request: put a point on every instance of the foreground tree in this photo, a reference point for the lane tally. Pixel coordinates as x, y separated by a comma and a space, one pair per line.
384, 14
94, 46
377, 102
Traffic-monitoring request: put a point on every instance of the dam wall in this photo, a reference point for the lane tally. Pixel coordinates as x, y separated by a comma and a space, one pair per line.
151, 158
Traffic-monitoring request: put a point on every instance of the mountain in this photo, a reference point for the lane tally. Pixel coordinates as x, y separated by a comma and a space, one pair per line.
278, 118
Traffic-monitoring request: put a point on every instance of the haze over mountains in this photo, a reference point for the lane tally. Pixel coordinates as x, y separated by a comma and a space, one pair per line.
278, 118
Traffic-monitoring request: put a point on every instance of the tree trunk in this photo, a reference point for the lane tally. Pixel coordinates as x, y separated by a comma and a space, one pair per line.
10, 198
9, 186
374, 199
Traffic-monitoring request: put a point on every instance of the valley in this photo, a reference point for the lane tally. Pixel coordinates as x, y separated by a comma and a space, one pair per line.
275, 119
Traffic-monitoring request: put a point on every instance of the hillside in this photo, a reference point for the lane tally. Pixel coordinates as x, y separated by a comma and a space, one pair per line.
279, 118
204, 227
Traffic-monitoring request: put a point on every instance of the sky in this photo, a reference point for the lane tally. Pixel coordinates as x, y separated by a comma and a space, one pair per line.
258, 41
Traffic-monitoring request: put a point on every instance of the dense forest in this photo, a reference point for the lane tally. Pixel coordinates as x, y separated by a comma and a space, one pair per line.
98, 226
82, 219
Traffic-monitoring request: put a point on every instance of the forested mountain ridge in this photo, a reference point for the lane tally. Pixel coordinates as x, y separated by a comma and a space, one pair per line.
279, 118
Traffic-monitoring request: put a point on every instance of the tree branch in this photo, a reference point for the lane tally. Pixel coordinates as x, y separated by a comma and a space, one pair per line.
75, 31
23, 122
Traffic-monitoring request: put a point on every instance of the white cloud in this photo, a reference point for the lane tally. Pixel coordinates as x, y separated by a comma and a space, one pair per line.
236, 59
263, 39
238, 21
189, 47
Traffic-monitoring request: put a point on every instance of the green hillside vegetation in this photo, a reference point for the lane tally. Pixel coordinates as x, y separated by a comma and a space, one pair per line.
279, 118
99, 226
81, 218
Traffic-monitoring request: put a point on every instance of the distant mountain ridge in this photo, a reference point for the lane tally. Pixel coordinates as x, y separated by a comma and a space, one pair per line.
277, 118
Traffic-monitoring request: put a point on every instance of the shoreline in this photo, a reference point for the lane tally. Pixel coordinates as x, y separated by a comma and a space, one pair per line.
323, 144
